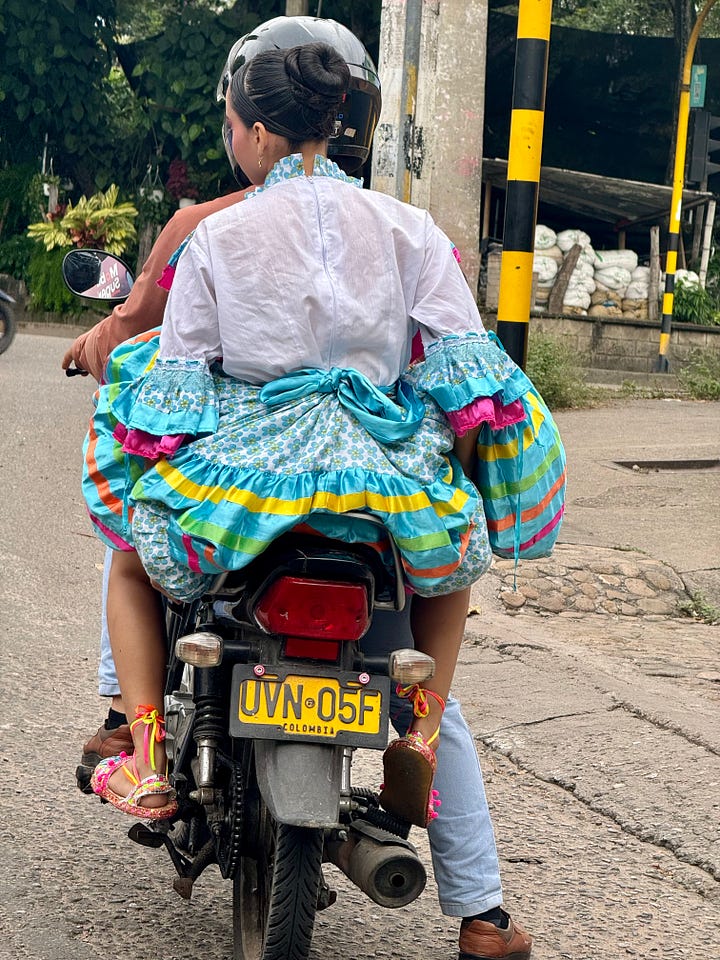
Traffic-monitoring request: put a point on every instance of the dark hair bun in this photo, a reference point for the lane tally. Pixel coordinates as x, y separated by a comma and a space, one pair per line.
296, 93
318, 74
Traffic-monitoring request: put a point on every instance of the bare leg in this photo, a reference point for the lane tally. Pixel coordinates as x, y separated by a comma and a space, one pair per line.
438, 624
135, 624
117, 704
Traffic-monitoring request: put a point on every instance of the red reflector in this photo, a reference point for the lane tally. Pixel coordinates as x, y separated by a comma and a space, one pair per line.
320, 609
312, 649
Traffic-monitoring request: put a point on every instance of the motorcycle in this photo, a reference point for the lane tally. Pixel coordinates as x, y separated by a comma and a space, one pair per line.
8, 325
269, 693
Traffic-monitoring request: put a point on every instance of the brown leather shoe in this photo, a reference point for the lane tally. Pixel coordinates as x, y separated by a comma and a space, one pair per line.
484, 941
103, 744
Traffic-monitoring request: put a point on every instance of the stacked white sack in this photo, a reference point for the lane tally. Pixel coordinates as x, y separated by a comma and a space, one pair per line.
582, 282
568, 238
546, 262
639, 286
544, 237
627, 259
581, 286
546, 269
587, 255
614, 278
688, 277
613, 273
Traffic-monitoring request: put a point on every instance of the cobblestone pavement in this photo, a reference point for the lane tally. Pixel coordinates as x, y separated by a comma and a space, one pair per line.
576, 581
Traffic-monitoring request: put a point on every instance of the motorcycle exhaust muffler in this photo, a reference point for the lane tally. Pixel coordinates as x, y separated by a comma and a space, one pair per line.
385, 867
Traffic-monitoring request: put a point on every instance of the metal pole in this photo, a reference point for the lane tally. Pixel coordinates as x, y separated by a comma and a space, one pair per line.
661, 364
523, 176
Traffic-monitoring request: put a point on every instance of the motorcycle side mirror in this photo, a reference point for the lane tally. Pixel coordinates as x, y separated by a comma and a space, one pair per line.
97, 275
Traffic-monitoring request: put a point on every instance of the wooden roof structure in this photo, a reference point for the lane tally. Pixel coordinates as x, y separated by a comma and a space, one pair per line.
620, 203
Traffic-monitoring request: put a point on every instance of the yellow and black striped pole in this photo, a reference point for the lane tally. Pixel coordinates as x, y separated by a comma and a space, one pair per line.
662, 364
523, 176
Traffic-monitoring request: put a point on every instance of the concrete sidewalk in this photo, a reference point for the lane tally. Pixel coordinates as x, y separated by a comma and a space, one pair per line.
593, 697
643, 495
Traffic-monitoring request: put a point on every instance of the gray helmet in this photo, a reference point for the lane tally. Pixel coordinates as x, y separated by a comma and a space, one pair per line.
350, 148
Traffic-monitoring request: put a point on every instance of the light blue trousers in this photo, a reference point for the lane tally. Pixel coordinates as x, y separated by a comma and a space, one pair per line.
462, 842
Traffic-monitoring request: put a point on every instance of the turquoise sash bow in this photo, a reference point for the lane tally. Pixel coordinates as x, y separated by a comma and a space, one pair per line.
386, 420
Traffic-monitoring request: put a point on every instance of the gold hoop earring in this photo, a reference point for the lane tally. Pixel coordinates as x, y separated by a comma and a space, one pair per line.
260, 160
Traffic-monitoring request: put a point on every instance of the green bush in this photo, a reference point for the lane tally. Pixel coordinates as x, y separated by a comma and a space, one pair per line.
556, 371
693, 304
45, 283
701, 376
15, 255
19, 198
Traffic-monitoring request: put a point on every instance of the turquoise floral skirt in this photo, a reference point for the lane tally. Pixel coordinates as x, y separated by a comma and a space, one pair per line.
222, 498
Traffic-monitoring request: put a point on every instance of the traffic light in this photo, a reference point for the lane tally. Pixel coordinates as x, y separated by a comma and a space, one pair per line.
705, 131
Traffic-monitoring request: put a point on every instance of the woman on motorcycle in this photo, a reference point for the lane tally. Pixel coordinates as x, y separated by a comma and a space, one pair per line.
281, 395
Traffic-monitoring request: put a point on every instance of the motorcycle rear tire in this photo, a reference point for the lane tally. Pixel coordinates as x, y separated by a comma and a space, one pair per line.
275, 895
7, 327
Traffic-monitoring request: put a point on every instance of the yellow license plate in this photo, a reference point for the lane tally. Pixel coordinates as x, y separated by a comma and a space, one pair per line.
283, 705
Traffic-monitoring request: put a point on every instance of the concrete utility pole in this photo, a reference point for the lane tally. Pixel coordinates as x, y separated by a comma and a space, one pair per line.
398, 65
428, 146
296, 8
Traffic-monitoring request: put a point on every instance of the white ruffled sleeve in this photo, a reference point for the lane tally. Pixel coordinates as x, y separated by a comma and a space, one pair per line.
190, 328
176, 397
465, 369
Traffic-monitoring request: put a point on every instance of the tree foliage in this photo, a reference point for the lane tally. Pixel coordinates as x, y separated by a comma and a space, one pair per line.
104, 88
115, 90
53, 79
652, 18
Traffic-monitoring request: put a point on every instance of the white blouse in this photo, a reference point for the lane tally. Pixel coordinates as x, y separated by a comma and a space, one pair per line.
314, 272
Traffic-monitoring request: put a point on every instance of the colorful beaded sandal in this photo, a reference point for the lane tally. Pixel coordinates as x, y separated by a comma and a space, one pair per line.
409, 765
156, 783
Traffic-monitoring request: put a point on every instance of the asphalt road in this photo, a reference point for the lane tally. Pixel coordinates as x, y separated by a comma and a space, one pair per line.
599, 737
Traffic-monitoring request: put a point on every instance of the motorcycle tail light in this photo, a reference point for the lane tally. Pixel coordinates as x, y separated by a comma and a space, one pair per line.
200, 649
315, 609
410, 666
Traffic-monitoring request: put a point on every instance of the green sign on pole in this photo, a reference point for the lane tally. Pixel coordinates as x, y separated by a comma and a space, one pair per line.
698, 82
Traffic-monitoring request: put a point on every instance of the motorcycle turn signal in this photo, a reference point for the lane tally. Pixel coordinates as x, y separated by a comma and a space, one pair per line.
409, 666
200, 649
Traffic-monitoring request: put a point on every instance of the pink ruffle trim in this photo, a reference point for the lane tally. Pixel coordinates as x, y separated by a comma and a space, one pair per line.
166, 278
417, 349
488, 410
146, 445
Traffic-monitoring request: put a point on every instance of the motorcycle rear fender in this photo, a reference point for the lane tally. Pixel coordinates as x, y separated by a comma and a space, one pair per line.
300, 782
